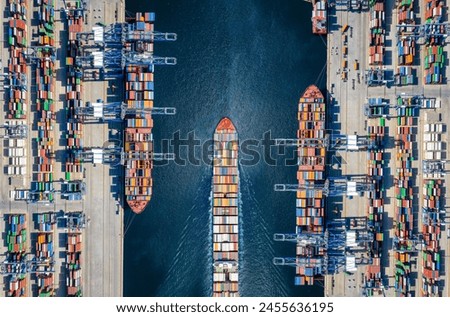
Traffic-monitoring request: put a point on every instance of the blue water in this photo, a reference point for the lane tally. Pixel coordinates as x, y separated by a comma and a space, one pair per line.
251, 61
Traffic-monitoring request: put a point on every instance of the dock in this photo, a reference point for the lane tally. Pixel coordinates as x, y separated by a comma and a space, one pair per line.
387, 93
348, 43
72, 245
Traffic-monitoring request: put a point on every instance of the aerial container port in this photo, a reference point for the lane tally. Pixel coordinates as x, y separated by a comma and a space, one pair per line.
375, 126
225, 211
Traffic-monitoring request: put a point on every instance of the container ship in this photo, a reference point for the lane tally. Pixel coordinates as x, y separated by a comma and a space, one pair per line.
225, 210
138, 138
319, 17
310, 206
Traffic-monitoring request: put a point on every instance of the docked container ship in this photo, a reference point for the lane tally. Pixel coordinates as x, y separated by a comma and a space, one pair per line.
138, 138
319, 17
225, 210
310, 207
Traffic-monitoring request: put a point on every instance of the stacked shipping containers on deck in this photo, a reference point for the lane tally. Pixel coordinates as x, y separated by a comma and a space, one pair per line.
375, 208
377, 35
17, 66
225, 210
138, 132
310, 206
45, 252
404, 182
16, 239
73, 91
45, 106
406, 45
434, 53
138, 137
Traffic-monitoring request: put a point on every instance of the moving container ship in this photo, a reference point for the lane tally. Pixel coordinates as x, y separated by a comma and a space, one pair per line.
225, 190
139, 123
319, 17
310, 206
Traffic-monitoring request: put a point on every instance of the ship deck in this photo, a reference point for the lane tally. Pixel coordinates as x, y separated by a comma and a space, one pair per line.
225, 210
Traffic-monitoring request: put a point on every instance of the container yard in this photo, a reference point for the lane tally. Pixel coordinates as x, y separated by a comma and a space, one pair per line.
395, 100
61, 208
370, 216
225, 211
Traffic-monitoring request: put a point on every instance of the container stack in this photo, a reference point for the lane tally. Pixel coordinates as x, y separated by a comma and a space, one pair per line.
45, 79
375, 206
432, 193
406, 75
434, 61
406, 51
73, 264
16, 239
138, 138
319, 17
16, 154
17, 66
406, 45
377, 32
74, 89
404, 182
138, 134
407, 106
17, 286
45, 225
310, 205
225, 210
140, 36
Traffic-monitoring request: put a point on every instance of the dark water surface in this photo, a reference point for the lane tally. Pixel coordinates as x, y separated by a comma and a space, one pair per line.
249, 60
